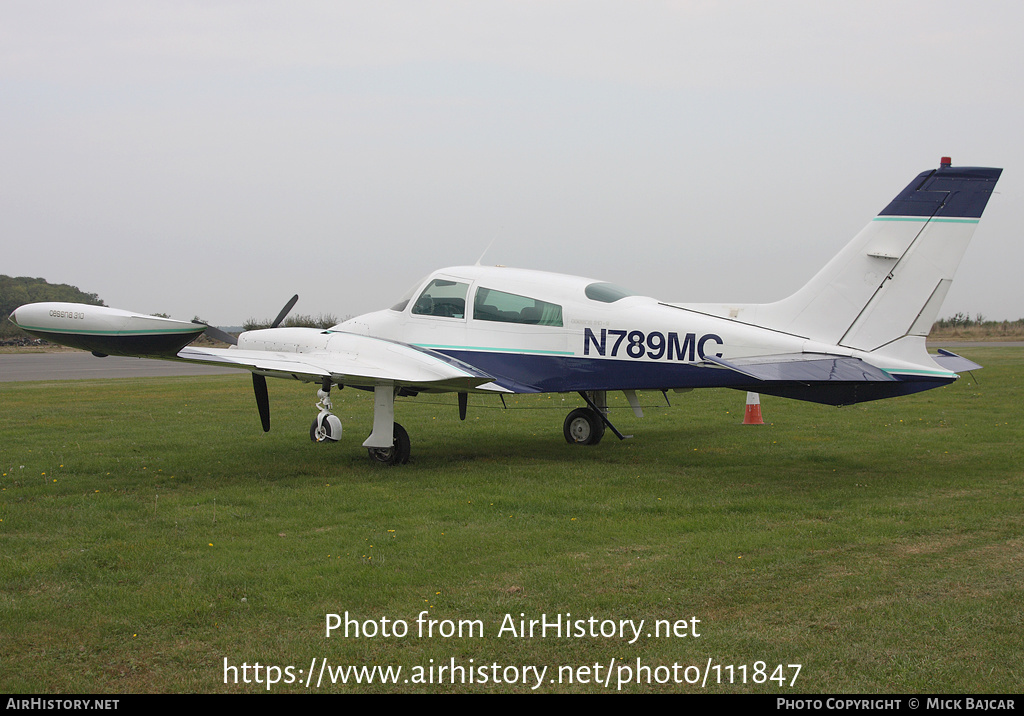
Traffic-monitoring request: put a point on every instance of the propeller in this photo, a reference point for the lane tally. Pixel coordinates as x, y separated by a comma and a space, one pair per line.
259, 382
259, 387
284, 311
225, 337
218, 334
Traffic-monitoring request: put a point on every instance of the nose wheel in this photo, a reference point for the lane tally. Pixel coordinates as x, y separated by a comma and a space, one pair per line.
327, 426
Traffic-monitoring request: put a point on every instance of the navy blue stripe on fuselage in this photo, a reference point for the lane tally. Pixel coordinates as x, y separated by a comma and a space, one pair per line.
525, 373
529, 373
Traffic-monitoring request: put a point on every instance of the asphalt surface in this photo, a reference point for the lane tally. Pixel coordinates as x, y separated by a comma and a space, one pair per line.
82, 365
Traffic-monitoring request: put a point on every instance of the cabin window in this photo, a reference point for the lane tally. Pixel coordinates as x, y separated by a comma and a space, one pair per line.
491, 305
606, 292
442, 297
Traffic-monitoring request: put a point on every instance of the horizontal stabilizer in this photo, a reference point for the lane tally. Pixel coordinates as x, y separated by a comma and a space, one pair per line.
955, 363
805, 368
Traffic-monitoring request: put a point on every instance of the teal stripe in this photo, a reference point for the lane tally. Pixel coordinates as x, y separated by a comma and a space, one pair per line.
943, 374
169, 331
925, 219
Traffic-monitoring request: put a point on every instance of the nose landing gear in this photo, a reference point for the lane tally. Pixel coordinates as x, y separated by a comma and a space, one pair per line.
327, 426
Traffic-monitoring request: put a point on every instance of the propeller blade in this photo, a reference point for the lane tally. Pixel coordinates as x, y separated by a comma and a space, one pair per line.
284, 311
259, 387
220, 335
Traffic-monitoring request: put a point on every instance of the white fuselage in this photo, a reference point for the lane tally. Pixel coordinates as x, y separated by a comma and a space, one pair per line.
632, 342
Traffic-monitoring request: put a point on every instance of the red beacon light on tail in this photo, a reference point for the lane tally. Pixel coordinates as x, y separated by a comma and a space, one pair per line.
946, 162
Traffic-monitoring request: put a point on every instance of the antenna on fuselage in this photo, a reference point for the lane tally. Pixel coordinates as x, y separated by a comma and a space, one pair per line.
480, 260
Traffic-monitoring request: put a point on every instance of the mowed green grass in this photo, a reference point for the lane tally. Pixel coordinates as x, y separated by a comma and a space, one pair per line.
150, 531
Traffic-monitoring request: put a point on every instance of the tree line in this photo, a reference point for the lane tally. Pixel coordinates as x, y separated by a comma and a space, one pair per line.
17, 291
964, 326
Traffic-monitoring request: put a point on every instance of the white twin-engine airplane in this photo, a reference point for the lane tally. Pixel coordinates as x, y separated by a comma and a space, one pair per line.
855, 332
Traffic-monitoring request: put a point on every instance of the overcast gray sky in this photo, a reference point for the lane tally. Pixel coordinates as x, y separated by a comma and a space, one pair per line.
214, 158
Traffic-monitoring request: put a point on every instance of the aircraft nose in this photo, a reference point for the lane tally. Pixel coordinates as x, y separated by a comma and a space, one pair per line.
14, 316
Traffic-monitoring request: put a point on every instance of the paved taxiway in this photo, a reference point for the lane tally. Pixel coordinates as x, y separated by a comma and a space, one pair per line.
81, 365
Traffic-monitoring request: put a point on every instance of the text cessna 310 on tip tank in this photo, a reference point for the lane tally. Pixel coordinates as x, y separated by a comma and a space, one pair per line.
855, 332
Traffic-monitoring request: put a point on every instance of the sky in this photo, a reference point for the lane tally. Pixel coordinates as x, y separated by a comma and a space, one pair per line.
214, 158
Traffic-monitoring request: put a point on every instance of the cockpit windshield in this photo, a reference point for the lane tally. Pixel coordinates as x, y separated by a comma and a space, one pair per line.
400, 306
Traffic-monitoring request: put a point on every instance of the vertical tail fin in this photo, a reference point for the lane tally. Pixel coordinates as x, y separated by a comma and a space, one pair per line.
890, 280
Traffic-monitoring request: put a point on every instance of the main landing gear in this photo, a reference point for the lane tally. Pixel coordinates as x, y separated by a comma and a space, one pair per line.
583, 426
398, 453
388, 444
586, 426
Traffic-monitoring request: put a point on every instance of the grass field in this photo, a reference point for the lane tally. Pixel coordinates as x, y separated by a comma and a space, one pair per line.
149, 531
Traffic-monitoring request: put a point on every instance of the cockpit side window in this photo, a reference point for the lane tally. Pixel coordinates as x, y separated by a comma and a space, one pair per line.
491, 305
442, 297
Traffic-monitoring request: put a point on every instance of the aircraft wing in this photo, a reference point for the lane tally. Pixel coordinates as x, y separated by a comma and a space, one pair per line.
346, 358
360, 361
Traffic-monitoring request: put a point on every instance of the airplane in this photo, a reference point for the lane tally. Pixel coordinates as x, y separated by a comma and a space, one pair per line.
855, 332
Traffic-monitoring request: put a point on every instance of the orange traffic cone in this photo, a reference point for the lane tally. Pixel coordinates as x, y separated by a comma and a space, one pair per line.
753, 414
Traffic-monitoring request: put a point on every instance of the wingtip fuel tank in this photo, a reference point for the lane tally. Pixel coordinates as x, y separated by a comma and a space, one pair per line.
105, 331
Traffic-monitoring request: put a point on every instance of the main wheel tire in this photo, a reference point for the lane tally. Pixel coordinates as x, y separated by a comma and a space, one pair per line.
398, 453
583, 426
